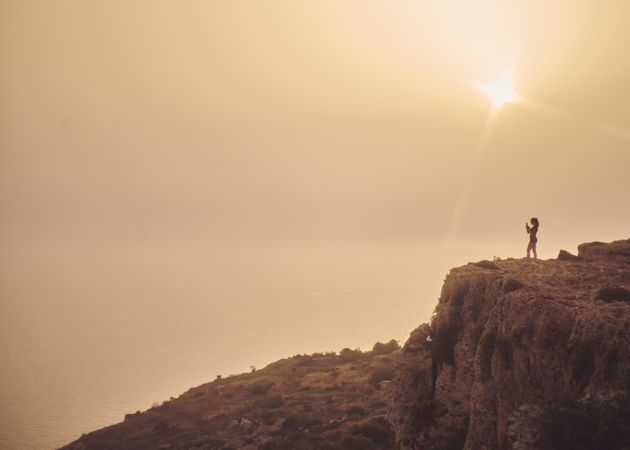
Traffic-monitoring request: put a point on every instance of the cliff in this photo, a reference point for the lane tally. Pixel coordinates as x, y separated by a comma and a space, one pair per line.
522, 354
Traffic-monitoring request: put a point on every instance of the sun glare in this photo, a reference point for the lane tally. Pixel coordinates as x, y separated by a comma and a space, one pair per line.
500, 92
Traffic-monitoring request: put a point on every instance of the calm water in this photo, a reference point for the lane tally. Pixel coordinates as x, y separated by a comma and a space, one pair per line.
91, 332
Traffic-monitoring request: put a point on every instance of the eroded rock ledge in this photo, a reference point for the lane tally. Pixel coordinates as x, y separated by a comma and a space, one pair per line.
522, 355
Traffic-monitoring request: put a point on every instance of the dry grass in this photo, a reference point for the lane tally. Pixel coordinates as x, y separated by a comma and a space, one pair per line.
304, 402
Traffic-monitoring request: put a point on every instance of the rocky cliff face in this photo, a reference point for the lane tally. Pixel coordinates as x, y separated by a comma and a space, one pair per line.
522, 355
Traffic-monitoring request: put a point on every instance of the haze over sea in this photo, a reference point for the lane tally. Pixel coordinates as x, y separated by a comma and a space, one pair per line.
102, 332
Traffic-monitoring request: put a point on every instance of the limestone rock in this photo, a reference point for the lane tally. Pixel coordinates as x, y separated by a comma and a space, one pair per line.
598, 250
546, 365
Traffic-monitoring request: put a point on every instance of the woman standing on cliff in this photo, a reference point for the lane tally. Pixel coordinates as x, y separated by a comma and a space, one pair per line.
532, 236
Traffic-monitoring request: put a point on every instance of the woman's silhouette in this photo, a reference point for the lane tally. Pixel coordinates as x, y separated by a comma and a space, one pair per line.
532, 236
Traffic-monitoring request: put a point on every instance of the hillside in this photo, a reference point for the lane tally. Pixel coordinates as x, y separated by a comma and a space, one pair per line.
522, 355
307, 402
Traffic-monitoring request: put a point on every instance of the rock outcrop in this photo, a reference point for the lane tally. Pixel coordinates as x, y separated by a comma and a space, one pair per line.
522, 354
601, 250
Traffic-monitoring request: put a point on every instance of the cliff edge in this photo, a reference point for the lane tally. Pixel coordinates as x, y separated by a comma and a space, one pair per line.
522, 354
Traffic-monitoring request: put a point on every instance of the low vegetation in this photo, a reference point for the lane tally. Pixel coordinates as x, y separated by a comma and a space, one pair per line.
613, 294
323, 401
385, 348
381, 374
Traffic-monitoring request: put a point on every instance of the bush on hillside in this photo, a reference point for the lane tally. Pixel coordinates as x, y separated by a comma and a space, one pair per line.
358, 442
162, 425
379, 431
275, 401
355, 411
384, 348
349, 355
613, 294
381, 374
278, 443
260, 387
296, 422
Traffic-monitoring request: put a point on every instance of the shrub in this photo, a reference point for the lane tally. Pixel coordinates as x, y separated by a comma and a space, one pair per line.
327, 445
161, 405
306, 360
356, 411
268, 417
379, 431
270, 402
278, 443
162, 425
377, 404
215, 444
613, 294
384, 348
291, 423
208, 443
348, 355
358, 443
260, 387
381, 374
130, 415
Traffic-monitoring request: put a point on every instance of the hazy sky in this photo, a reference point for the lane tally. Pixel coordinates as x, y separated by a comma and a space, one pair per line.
281, 176
293, 120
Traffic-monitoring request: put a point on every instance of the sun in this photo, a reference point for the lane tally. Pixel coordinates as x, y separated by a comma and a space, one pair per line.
500, 92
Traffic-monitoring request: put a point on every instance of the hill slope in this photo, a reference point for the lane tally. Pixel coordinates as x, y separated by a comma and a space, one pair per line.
522, 355
308, 402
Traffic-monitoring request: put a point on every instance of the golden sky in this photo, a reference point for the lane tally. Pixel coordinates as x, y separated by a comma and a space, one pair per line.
273, 155
310, 119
